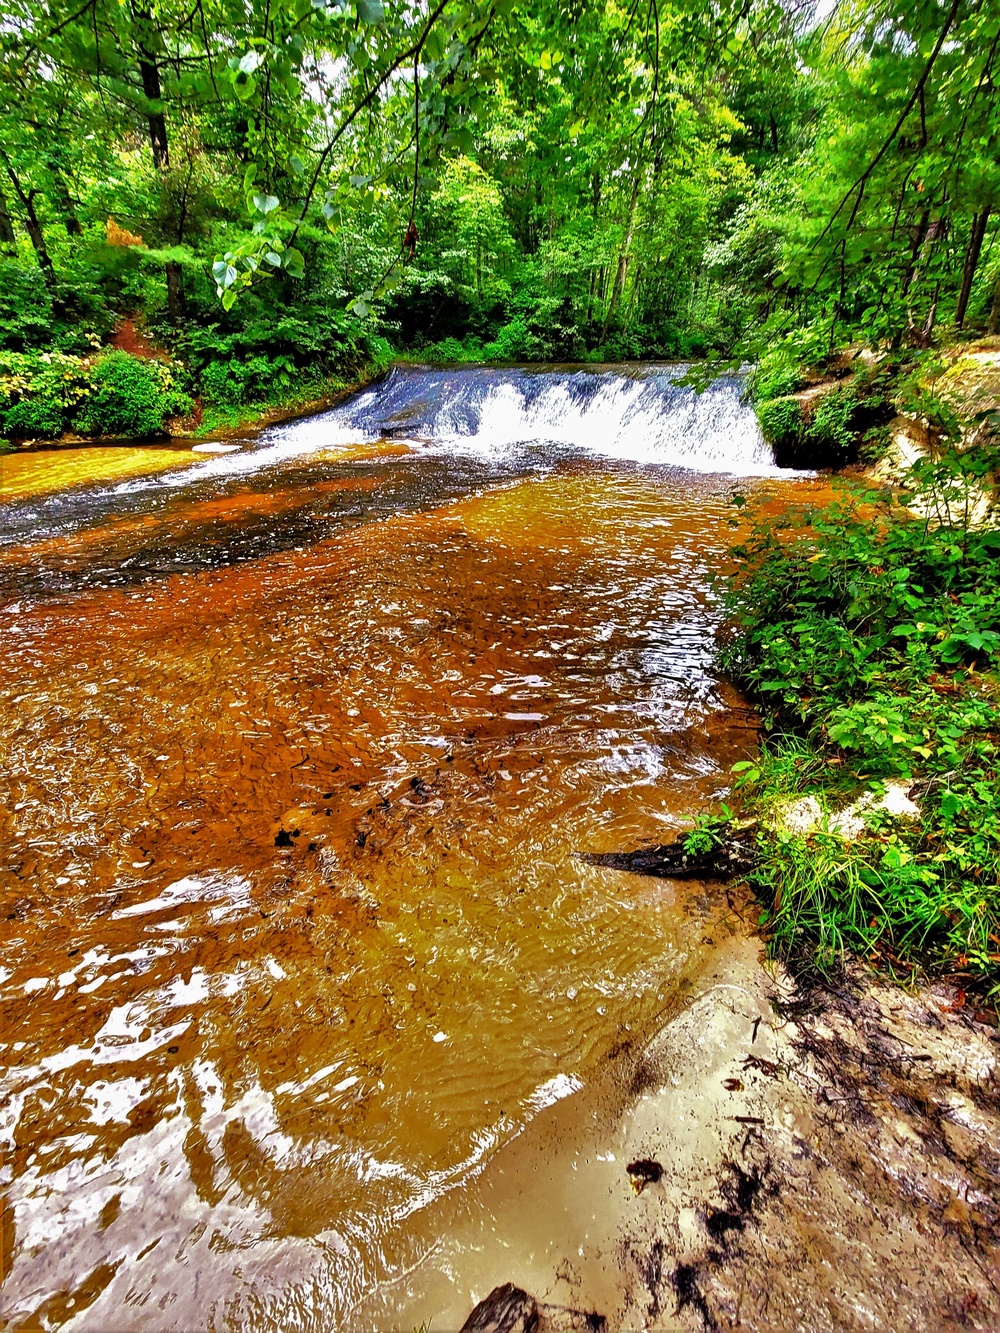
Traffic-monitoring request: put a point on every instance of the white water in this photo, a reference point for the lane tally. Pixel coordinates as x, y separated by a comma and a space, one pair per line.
646, 421
642, 416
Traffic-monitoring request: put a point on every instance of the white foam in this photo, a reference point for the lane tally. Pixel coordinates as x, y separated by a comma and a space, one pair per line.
646, 418
625, 419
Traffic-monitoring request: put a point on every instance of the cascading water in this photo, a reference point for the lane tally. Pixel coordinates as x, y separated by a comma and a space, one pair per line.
643, 415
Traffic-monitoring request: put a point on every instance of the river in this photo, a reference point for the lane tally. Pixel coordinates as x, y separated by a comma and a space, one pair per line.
300, 745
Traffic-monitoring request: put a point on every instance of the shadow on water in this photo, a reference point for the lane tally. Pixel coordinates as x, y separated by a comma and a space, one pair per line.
126, 537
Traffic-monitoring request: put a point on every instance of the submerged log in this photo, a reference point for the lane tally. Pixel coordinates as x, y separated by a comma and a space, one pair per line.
506, 1309
735, 856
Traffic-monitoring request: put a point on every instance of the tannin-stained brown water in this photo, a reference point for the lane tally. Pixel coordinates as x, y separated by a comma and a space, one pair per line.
300, 749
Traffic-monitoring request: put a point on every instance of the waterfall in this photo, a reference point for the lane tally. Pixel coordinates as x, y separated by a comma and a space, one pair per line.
460, 428
642, 414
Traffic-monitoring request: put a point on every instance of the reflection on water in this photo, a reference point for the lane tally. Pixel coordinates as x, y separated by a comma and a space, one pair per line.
296, 936
43, 472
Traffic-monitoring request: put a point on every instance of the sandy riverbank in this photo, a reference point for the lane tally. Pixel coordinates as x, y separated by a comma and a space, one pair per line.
830, 1160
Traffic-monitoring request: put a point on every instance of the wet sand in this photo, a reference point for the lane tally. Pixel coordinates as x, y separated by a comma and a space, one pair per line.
821, 1158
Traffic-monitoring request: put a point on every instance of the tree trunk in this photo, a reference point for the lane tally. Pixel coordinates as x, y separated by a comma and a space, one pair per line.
7, 236
590, 297
616, 290
70, 221
623, 258
633, 304
918, 241
921, 336
993, 325
175, 289
595, 203
32, 225
972, 254
160, 145
37, 238
150, 73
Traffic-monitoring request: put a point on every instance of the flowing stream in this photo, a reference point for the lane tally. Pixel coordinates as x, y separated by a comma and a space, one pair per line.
300, 745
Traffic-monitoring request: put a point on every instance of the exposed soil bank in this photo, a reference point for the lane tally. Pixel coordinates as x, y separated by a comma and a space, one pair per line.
830, 1160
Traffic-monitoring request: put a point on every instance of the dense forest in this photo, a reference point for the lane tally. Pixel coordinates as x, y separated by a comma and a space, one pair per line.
287, 191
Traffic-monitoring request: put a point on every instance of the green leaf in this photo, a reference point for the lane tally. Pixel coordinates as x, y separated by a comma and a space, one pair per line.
294, 264
251, 62
265, 203
950, 805
273, 258
371, 11
224, 273
244, 86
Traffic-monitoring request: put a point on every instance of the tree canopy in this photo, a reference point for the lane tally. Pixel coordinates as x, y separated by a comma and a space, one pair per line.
286, 179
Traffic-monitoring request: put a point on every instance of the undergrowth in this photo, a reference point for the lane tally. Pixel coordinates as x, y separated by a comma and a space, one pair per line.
837, 425
871, 640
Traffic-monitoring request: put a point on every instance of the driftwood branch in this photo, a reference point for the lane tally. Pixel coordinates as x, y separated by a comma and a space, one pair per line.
731, 858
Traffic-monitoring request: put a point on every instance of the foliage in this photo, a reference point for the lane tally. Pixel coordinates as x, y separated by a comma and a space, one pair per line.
40, 392
252, 380
131, 397
826, 427
872, 640
33, 418
44, 394
709, 831
595, 184
777, 374
782, 424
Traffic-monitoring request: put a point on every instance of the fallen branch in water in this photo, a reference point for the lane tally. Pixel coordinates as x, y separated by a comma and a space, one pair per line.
731, 857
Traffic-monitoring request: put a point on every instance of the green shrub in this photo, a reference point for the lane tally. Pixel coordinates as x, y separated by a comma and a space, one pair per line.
39, 391
872, 641
781, 423
25, 306
777, 374
513, 342
130, 397
453, 351
875, 445
254, 380
33, 418
827, 433
829, 428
